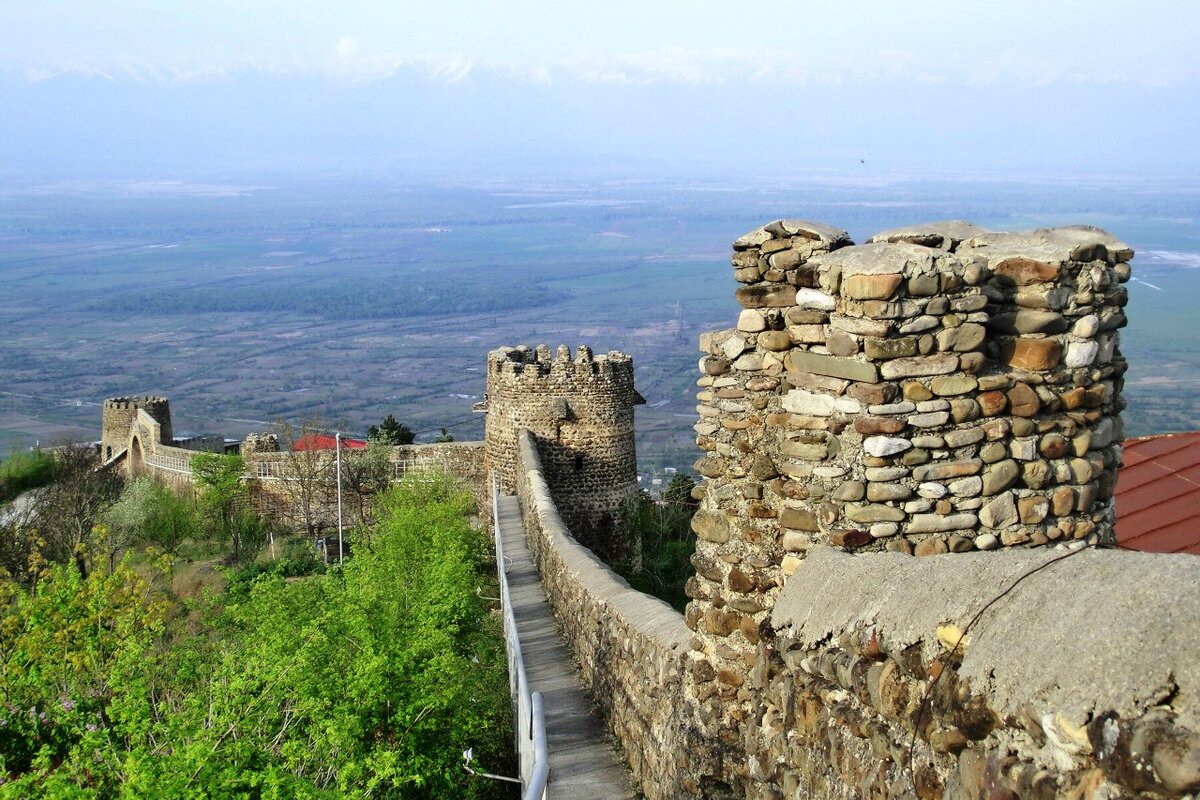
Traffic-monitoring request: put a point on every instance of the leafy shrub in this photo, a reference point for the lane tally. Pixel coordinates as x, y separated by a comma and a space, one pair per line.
21, 472
367, 681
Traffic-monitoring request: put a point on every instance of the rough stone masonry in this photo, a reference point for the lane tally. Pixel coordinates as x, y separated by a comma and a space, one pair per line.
939, 389
580, 412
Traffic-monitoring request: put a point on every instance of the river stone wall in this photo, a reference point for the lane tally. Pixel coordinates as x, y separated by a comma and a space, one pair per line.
631, 649
274, 494
939, 389
580, 411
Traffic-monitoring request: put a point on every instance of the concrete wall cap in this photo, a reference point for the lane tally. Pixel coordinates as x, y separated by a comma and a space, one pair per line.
1101, 630
945, 234
880, 258
1051, 245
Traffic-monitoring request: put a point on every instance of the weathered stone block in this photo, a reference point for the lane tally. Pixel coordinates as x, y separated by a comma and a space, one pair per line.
1022, 400
711, 526
881, 349
1024, 271
941, 364
947, 470
949, 385
763, 295
871, 287
774, 340
887, 492
812, 299
936, 523
874, 512
848, 369
882, 446
798, 519
1032, 354
870, 426
960, 339
999, 476
751, 320
1000, 512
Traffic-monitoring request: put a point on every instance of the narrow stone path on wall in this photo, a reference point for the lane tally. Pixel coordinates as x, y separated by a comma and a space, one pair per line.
583, 763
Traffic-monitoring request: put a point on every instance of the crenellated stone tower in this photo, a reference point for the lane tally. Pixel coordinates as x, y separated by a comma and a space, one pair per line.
581, 413
940, 389
117, 418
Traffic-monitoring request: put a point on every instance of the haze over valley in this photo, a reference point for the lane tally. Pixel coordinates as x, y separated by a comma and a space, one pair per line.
249, 300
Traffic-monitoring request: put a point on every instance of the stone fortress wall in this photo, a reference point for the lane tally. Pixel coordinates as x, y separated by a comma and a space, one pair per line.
941, 392
580, 413
910, 454
938, 389
136, 433
631, 649
269, 474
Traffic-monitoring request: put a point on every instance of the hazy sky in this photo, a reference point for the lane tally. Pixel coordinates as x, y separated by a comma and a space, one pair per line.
666, 87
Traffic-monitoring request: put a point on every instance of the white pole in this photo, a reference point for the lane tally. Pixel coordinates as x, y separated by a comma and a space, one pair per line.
337, 441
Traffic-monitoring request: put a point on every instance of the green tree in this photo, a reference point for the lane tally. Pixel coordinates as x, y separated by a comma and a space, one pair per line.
657, 559
366, 682
173, 519
391, 431
444, 436
78, 662
66, 511
222, 496
308, 474
21, 472
150, 512
365, 473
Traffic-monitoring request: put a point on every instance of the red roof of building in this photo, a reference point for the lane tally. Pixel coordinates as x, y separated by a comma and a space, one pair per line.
322, 441
1158, 494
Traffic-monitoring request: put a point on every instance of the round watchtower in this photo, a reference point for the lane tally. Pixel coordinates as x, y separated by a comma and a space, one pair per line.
580, 411
117, 419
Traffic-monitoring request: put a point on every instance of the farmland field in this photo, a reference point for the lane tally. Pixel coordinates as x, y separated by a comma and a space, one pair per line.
246, 301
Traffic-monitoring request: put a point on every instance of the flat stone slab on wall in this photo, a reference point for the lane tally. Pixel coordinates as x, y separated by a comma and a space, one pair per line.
1102, 630
1082, 681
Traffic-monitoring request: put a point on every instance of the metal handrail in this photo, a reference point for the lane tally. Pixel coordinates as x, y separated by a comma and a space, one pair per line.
532, 751
536, 788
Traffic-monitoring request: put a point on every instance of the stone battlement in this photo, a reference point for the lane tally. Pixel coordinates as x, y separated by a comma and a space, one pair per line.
135, 402
941, 388
533, 364
958, 394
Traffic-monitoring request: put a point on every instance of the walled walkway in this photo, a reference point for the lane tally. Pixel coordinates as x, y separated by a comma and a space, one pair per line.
583, 763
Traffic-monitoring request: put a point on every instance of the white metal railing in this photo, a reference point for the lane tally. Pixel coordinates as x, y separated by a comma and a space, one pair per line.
168, 463
532, 751
280, 469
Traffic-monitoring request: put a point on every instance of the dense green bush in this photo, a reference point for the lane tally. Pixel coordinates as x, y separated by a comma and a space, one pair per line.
297, 560
21, 472
368, 681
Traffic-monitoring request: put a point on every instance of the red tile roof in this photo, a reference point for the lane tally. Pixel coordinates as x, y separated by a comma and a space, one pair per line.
321, 441
1158, 494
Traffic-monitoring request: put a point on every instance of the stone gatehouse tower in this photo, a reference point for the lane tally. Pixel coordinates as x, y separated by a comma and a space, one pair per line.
119, 415
580, 411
